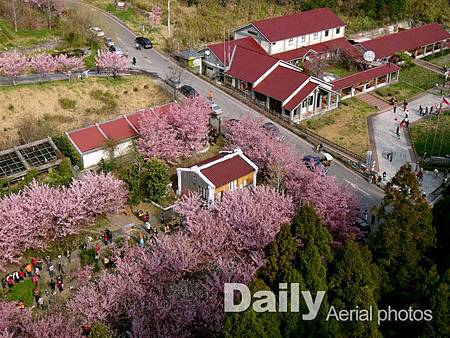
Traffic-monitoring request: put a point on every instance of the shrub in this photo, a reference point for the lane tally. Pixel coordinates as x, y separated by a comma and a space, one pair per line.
67, 149
110, 103
87, 257
67, 104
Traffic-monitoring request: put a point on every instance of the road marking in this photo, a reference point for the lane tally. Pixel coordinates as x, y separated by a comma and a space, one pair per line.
354, 186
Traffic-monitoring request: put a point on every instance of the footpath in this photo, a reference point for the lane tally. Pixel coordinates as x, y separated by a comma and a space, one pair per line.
383, 128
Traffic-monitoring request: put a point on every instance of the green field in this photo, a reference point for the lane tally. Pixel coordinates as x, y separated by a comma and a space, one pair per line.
23, 37
440, 59
413, 80
21, 291
432, 134
346, 125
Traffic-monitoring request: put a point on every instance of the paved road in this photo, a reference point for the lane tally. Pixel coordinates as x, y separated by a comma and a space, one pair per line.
153, 61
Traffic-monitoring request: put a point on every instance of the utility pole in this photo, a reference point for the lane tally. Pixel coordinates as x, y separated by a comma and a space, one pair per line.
168, 18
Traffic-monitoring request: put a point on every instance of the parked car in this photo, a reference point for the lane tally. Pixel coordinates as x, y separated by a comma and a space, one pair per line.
174, 83
109, 42
116, 50
315, 161
97, 32
144, 42
216, 110
188, 91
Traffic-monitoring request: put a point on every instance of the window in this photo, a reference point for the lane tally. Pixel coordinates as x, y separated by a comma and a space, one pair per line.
252, 33
233, 185
338, 30
315, 36
310, 100
304, 103
303, 38
326, 32
290, 42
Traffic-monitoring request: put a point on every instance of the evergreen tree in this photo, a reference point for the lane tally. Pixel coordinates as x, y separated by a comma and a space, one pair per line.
354, 284
156, 178
251, 324
441, 224
402, 244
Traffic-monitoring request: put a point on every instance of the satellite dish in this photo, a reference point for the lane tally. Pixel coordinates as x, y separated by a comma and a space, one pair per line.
207, 52
369, 56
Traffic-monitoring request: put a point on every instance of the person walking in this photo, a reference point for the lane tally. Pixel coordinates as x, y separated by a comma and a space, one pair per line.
52, 286
431, 110
60, 284
426, 111
406, 122
420, 110
37, 295
405, 104
134, 61
397, 131
384, 176
60, 265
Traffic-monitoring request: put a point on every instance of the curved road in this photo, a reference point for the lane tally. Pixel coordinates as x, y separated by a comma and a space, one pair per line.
152, 61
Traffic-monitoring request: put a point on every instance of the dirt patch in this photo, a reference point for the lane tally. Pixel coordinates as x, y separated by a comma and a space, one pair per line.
28, 112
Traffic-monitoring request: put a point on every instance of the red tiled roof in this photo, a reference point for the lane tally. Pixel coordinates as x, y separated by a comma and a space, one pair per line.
136, 116
247, 42
364, 76
118, 129
298, 24
300, 96
248, 65
386, 46
322, 47
88, 138
227, 171
281, 83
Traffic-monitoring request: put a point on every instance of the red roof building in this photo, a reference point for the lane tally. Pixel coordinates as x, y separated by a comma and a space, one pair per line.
365, 76
90, 141
300, 96
223, 49
323, 47
297, 24
227, 171
407, 40
244, 67
281, 82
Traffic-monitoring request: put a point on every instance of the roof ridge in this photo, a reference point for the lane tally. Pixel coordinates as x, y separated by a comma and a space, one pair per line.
229, 156
293, 14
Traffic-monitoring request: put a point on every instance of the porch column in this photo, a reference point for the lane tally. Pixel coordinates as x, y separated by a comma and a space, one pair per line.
424, 50
432, 50
328, 101
376, 82
314, 101
352, 90
233, 82
291, 114
388, 78
267, 102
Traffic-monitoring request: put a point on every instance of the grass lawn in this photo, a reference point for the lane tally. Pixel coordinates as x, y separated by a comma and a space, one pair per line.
54, 107
21, 291
440, 59
413, 80
346, 126
423, 135
340, 71
9, 38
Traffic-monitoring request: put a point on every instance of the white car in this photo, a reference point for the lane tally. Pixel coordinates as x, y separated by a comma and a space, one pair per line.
97, 32
216, 110
119, 51
109, 42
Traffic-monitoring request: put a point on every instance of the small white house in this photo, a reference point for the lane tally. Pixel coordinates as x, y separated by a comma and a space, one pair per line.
227, 171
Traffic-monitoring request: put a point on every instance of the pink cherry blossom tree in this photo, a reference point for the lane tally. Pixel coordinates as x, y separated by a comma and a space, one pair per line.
40, 214
285, 170
69, 65
43, 64
182, 275
112, 63
154, 16
12, 65
180, 132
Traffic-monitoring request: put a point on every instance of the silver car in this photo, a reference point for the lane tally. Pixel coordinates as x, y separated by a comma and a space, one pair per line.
216, 110
109, 42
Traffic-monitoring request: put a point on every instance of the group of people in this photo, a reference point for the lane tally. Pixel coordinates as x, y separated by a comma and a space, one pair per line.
432, 110
33, 270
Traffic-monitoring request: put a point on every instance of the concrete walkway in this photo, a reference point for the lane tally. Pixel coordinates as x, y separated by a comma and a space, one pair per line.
384, 127
429, 66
